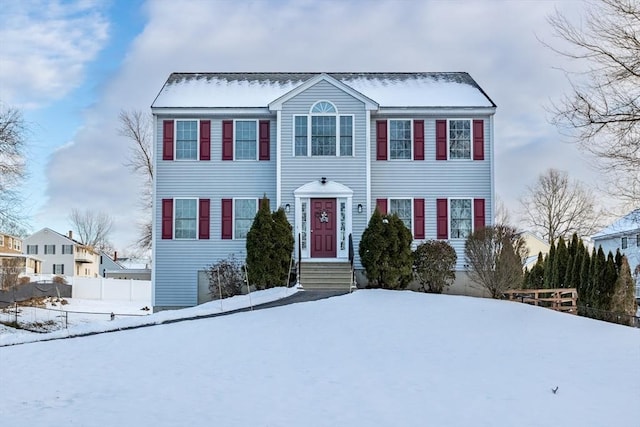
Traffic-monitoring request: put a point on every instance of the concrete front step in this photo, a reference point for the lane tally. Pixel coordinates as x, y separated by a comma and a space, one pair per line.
325, 275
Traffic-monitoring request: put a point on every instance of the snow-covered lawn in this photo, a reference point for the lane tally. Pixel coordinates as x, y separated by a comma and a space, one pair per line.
371, 358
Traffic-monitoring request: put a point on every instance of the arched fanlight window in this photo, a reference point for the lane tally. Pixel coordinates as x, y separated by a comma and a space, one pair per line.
323, 107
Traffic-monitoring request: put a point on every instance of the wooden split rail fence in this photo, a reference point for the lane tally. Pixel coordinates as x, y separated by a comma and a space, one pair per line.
564, 300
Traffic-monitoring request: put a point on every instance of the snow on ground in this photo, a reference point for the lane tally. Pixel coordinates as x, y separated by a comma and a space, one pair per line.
92, 316
371, 358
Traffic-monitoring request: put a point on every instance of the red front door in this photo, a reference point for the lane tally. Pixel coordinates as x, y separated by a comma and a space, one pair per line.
323, 228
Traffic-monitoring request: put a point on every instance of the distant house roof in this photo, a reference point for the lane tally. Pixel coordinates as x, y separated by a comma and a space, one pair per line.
237, 90
69, 239
628, 223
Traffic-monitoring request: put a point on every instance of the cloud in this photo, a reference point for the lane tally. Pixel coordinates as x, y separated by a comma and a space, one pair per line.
46, 46
495, 41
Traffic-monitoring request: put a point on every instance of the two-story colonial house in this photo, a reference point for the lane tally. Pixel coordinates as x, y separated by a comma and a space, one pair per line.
62, 255
327, 147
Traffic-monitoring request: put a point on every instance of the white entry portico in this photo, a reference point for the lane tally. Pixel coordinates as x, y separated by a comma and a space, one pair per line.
316, 210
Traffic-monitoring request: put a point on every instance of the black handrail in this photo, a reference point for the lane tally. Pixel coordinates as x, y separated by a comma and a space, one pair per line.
351, 254
299, 256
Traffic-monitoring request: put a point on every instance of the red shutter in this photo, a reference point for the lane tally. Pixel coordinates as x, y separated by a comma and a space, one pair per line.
167, 218
381, 139
478, 214
227, 140
441, 140
418, 140
227, 218
203, 220
442, 218
478, 140
167, 140
381, 204
264, 140
418, 218
205, 139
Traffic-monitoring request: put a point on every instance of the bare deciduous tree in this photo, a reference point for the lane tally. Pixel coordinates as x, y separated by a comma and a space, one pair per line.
602, 111
558, 207
496, 255
92, 228
137, 127
12, 167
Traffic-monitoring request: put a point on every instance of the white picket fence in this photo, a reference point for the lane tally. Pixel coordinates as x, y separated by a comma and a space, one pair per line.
101, 288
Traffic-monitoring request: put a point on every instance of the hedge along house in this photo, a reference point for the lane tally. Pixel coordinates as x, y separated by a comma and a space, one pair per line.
328, 148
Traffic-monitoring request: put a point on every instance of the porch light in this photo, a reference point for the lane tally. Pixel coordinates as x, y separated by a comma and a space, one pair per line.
359, 207
287, 208
323, 180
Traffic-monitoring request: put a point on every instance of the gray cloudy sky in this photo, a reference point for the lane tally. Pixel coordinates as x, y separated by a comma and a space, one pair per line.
73, 65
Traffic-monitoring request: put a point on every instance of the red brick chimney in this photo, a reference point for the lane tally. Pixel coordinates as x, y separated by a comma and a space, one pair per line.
71, 234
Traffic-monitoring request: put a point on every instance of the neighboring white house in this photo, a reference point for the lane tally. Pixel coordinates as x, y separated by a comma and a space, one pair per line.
535, 246
327, 148
61, 255
623, 234
124, 268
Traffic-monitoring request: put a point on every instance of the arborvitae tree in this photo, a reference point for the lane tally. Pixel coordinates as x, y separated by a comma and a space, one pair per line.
573, 244
560, 264
609, 279
260, 250
548, 267
584, 296
566, 281
597, 280
283, 245
572, 280
536, 275
618, 260
385, 252
624, 298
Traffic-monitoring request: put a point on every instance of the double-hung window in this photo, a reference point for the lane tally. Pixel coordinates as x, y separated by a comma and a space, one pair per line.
32, 249
67, 249
186, 139
624, 244
58, 268
246, 141
186, 214
461, 218
460, 139
323, 132
402, 208
49, 249
244, 214
400, 140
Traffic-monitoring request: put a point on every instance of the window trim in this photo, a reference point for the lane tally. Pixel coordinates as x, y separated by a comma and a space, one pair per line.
399, 119
337, 115
449, 120
410, 205
449, 207
175, 140
175, 218
257, 141
233, 215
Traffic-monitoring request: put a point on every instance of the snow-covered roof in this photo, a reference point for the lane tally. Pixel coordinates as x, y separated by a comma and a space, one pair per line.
629, 222
237, 90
